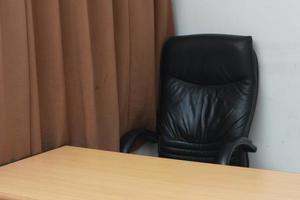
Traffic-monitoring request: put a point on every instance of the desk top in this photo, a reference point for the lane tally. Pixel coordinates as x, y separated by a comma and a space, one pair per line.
76, 173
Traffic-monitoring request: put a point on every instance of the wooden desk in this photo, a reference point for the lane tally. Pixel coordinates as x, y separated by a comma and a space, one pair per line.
77, 173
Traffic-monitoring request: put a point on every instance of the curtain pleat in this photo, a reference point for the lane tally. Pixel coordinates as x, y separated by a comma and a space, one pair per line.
50, 73
142, 64
35, 125
15, 132
122, 49
103, 51
78, 67
77, 72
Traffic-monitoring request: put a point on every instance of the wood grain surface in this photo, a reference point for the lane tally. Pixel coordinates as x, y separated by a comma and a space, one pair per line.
71, 173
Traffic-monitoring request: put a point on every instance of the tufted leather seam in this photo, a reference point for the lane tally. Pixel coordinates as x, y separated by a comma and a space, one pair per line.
241, 81
182, 144
192, 158
187, 157
181, 151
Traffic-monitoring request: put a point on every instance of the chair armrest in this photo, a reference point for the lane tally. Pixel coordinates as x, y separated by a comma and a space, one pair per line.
129, 139
226, 151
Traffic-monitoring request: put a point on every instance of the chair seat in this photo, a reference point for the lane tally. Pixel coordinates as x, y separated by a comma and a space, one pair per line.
200, 152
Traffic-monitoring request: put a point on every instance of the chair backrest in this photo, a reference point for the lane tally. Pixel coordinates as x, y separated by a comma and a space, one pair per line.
209, 86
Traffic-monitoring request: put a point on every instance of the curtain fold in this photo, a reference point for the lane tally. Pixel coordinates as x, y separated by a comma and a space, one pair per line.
15, 125
77, 72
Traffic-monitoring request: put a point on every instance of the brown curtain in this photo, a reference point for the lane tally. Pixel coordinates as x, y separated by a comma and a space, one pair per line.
78, 72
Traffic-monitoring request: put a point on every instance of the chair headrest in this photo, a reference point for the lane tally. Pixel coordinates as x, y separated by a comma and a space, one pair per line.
209, 59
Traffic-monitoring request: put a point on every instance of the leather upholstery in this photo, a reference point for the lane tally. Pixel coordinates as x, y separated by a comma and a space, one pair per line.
209, 86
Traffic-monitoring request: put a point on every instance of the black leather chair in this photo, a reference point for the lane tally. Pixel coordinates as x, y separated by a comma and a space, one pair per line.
208, 92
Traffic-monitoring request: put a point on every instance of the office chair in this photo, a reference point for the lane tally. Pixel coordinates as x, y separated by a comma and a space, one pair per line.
208, 92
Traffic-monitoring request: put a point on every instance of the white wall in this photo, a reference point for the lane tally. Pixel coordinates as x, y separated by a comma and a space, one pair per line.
275, 27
